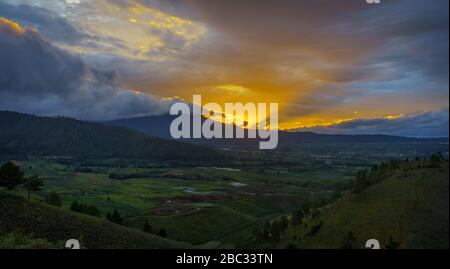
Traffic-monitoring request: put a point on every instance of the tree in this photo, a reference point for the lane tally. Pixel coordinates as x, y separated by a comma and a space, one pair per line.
163, 233
395, 164
349, 242
85, 209
75, 206
315, 212
34, 183
436, 160
53, 199
291, 246
117, 218
108, 216
114, 217
297, 217
92, 211
284, 224
374, 169
10, 176
147, 227
392, 244
306, 208
267, 231
362, 181
336, 195
315, 229
275, 232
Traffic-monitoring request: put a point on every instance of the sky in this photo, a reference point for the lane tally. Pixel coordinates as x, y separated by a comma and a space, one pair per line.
333, 66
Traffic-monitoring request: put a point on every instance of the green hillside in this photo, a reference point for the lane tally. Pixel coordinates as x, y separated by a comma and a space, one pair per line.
56, 225
29, 135
409, 209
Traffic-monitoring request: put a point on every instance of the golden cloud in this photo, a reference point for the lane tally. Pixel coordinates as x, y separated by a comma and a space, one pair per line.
10, 25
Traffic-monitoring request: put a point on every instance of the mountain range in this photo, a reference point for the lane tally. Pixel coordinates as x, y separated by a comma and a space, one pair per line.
23, 134
140, 138
159, 126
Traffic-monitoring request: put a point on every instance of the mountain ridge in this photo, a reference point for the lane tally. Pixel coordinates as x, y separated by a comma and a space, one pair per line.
25, 134
147, 125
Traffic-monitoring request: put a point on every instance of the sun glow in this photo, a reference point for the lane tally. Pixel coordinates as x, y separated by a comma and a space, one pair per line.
393, 117
12, 25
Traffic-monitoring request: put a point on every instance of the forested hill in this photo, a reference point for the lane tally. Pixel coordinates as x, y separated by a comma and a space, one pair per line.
23, 134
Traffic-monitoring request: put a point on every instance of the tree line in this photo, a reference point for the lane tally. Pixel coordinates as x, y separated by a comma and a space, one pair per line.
379, 172
12, 177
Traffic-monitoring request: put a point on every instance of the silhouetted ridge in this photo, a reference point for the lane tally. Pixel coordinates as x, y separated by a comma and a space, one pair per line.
23, 134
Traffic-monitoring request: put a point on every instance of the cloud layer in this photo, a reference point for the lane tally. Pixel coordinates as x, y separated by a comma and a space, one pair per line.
37, 77
323, 61
426, 124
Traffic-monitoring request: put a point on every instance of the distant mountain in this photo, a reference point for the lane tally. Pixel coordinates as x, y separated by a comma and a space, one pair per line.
310, 137
159, 126
22, 134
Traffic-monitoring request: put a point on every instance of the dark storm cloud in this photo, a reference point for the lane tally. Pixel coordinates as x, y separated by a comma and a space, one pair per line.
37, 77
344, 30
50, 24
426, 124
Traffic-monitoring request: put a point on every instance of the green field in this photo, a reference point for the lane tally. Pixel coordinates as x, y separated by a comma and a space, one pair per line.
226, 206
193, 204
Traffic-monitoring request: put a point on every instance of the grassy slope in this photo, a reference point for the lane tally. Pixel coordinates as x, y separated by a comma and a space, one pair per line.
412, 206
59, 225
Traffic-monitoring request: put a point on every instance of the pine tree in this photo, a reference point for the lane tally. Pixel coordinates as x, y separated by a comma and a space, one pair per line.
53, 199
349, 242
147, 227
392, 244
306, 209
32, 184
92, 211
362, 180
276, 231
267, 230
163, 233
297, 217
115, 217
436, 160
10, 176
284, 224
75, 206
